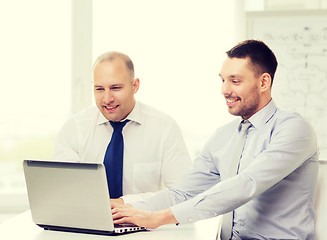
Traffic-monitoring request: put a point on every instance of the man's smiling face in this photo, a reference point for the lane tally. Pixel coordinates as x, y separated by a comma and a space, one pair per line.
114, 89
240, 87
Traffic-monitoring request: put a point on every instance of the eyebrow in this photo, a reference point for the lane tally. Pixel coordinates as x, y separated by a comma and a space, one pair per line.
113, 85
232, 76
116, 85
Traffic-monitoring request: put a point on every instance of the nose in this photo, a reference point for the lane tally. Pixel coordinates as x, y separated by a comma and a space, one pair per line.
225, 88
108, 97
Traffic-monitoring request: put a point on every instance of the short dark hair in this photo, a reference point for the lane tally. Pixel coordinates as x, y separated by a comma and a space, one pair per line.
263, 60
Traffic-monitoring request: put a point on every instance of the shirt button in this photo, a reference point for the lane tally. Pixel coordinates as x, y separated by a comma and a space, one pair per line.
189, 219
215, 214
242, 223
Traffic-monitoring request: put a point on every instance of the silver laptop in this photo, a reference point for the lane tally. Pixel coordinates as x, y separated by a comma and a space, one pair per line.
71, 196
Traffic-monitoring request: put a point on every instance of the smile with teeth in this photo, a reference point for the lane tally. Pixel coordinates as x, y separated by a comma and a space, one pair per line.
111, 108
231, 101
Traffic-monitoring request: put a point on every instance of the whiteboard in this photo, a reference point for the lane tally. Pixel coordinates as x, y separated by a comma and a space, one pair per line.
299, 40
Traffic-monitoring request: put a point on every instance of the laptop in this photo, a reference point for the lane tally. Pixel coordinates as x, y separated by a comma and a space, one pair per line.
71, 196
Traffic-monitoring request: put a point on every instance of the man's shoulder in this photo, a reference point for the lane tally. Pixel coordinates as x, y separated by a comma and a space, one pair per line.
87, 114
291, 123
290, 116
80, 121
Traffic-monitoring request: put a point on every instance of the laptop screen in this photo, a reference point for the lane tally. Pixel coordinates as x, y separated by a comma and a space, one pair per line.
68, 194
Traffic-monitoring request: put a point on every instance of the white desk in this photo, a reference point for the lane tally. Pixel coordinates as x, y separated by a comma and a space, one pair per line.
22, 227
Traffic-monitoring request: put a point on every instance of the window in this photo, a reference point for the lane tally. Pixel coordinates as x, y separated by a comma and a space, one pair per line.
35, 88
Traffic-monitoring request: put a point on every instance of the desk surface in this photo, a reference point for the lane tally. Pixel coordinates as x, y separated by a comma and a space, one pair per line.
22, 227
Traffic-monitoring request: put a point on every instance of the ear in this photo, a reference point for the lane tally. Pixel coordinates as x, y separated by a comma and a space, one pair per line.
265, 82
136, 85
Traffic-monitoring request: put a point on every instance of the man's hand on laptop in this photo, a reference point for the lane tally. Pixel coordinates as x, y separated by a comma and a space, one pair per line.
128, 214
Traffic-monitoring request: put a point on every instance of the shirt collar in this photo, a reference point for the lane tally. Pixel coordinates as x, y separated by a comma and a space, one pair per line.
135, 115
260, 118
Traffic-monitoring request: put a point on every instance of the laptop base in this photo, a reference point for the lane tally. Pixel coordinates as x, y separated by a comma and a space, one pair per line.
116, 231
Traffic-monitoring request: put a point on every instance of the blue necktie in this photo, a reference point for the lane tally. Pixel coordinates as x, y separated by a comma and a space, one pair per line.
113, 160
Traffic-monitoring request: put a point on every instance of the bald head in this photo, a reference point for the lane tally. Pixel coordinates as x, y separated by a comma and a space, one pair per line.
112, 56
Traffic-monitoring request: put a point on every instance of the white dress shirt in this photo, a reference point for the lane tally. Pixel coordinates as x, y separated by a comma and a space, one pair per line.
155, 154
273, 194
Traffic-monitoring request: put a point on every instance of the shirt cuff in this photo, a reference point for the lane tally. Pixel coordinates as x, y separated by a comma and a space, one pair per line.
184, 213
128, 199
